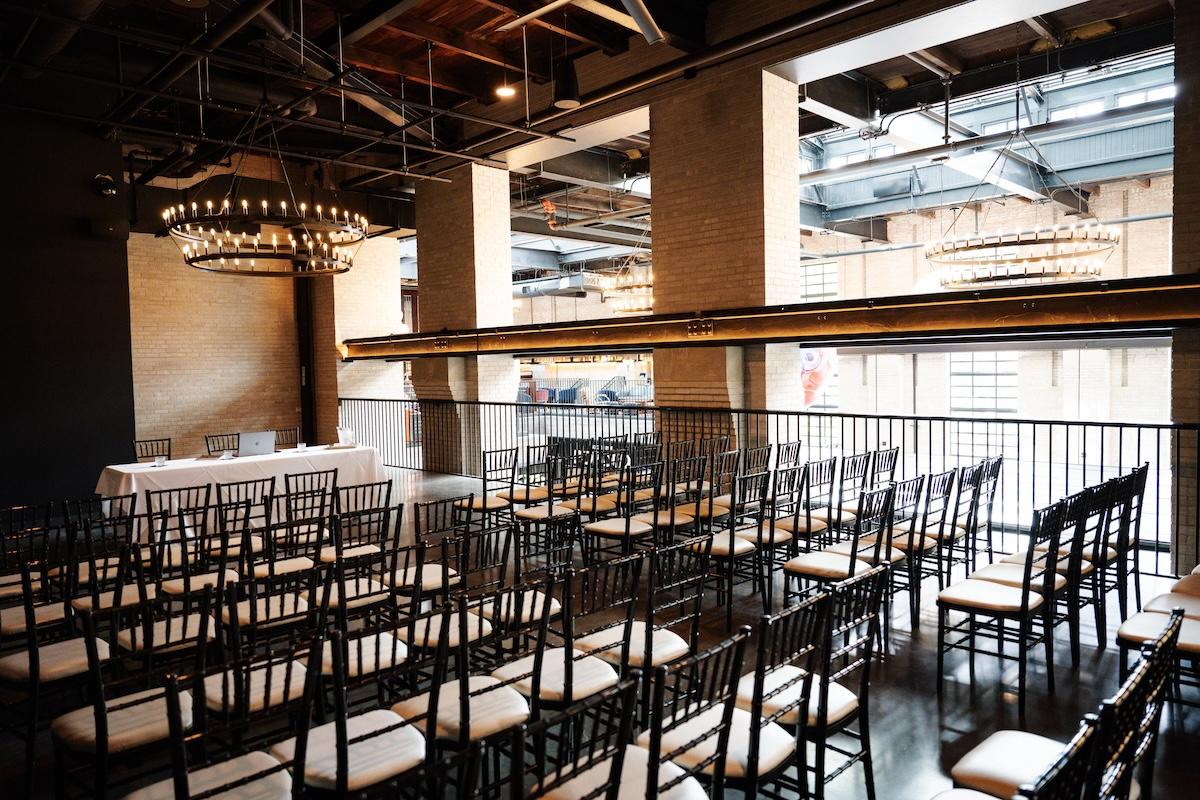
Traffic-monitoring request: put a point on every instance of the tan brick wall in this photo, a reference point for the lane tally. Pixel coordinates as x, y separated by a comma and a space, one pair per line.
211, 353
367, 299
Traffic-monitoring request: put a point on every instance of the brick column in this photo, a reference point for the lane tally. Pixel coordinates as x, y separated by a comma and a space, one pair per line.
465, 273
726, 232
1185, 345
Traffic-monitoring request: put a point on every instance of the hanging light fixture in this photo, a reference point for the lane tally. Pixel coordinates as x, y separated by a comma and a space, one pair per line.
1074, 252
632, 288
566, 85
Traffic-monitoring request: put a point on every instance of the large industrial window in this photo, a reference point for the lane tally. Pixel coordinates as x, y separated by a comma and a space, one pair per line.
983, 385
820, 281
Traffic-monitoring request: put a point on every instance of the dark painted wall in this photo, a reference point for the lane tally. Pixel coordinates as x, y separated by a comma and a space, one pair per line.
66, 395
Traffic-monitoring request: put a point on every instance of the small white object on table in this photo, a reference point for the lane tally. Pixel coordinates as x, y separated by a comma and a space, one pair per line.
355, 464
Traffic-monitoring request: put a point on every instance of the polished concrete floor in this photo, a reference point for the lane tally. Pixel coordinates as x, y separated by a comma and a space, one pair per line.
916, 739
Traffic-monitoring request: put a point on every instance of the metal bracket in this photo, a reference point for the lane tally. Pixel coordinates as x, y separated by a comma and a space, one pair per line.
699, 327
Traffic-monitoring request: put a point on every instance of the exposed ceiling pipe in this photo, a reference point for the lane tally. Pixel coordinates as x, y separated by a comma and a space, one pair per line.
179, 156
609, 216
731, 48
645, 21
542, 11
572, 285
51, 38
1146, 112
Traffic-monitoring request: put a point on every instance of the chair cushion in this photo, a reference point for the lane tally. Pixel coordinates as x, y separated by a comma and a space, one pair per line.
1164, 603
590, 675
986, 596
1014, 575
767, 536
108, 598
524, 494
587, 503
366, 654
722, 547
427, 633
665, 645
269, 609
330, 556
903, 542
197, 583
848, 515
487, 503
371, 761
57, 660
532, 605
235, 547
12, 620
635, 768
175, 631
801, 526
285, 566
961, 794
107, 567
1005, 761
663, 518
360, 592
775, 744
614, 527
1196, 570
267, 688
133, 720
492, 706
1146, 626
841, 702
705, 511
1188, 584
275, 785
866, 550
826, 565
431, 577
542, 511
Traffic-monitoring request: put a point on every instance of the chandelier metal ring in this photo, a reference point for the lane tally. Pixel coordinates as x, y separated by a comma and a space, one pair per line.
1057, 254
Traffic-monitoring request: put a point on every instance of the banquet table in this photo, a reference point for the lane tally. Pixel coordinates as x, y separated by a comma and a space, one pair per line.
355, 464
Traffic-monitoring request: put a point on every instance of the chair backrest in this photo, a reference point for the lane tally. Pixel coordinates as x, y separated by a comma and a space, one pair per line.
703, 685
499, 469
187, 509
220, 442
150, 449
675, 591
369, 529
484, 556
747, 509
364, 496
852, 480
873, 525
883, 466
787, 455
1042, 553
599, 730
1083, 527
323, 479
435, 519
681, 448
967, 498
652, 438
936, 512
15, 519
546, 549
1137, 505
722, 472
598, 598
303, 528
819, 486
287, 437
906, 504
853, 632
104, 507
1073, 772
712, 445
259, 491
532, 471
755, 459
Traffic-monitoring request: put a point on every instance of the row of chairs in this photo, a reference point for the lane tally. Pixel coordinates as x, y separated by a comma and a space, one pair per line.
216, 443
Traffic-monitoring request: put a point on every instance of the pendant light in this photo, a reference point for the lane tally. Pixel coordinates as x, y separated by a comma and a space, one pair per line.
566, 81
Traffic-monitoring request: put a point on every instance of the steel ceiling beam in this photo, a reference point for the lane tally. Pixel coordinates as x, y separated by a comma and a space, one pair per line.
368, 19
577, 30
1143, 304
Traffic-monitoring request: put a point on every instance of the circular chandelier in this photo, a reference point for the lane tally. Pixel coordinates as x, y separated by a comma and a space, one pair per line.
1040, 256
288, 243
632, 289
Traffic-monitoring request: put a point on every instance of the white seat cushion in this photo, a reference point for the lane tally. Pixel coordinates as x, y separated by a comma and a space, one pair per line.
1188, 584
10, 585
533, 603
1190, 603
220, 689
840, 701
329, 556
426, 632
866, 550
177, 630
1005, 761
1146, 626
775, 744
525, 494
615, 528
722, 547
133, 720
366, 654
665, 645
487, 503
12, 620
370, 761
542, 511
284, 566
1014, 575
57, 660
802, 526
492, 708
1196, 570
235, 546
635, 768
663, 518
590, 675
108, 598
961, 794
589, 504
360, 592
196, 583
431, 577
269, 609
826, 565
986, 596
765, 537
276, 785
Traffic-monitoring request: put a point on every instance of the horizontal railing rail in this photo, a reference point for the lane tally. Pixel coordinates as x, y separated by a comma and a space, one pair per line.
1044, 460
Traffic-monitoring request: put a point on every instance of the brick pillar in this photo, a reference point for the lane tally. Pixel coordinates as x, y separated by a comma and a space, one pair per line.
1185, 345
726, 233
465, 273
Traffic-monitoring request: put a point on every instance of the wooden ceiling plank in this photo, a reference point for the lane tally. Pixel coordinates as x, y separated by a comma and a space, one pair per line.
1045, 28
576, 28
462, 43
416, 71
370, 18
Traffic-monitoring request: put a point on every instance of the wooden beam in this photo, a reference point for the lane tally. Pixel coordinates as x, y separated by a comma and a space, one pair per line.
941, 61
1159, 303
417, 71
1045, 28
464, 44
368, 19
577, 29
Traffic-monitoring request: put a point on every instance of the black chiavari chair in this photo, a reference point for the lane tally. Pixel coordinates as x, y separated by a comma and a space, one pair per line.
222, 443
150, 449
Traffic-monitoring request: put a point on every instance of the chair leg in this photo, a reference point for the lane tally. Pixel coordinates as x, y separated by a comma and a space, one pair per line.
1022, 658
31, 741
971, 648
864, 732
1100, 608
1136, 572
1123, 587
1073, 623
941, 650
1048, 643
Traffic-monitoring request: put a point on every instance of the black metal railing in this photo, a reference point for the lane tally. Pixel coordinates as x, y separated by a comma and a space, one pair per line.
1044, 460
585, 391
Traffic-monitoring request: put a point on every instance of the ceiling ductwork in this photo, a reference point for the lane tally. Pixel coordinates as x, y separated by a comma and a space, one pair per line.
576, 284
46, 40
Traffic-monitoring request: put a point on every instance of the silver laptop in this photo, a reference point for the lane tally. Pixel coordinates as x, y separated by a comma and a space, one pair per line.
256, 443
